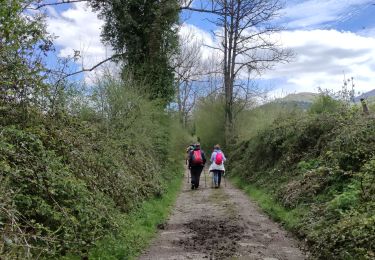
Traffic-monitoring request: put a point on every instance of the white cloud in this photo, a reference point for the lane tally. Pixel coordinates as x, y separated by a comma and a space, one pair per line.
198, 35
322, 56
313, 13
78, 28
323, 59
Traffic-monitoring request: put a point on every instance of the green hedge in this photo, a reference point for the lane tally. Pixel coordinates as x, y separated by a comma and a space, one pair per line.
322, 164
64, 180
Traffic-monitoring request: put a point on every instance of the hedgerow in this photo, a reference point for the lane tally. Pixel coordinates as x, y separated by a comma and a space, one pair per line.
63, 180
73, 159
321, 162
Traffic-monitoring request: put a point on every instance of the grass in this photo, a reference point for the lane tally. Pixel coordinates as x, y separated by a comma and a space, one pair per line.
138, 228
290, 219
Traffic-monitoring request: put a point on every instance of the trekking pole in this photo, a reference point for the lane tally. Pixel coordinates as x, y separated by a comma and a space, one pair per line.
205, 182
225, 182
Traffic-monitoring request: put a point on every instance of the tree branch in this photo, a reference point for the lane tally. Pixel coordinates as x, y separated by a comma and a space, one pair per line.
92, 68
39, 6
218, 12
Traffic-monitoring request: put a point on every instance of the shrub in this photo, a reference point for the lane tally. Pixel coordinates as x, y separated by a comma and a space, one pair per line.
66, 180
324, 162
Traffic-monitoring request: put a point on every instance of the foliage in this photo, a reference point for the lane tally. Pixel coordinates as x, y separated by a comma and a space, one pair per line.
67, 180
143, 220
147, 31
23, 44
72, 165
250, 122
53, 209
322, 162
324, 104
209, 120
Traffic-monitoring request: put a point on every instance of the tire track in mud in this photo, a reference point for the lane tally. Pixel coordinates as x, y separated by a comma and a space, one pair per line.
220, 224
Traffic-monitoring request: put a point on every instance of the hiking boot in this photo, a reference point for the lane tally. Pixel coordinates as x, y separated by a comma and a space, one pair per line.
192, 186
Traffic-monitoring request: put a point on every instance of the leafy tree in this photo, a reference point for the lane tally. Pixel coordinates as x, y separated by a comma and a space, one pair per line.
209, 116
325, 104
144, 33
23, 44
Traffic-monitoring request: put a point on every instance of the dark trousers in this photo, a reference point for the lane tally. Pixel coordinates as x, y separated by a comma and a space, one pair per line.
195, 172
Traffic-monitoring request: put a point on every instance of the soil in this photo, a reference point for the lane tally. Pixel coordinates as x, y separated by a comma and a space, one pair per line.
222, 223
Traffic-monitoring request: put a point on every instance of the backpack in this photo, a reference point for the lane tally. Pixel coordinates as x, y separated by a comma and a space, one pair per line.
219, 158
196, 158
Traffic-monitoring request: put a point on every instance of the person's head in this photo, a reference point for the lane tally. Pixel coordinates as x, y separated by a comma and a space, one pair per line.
197, 146
216, 147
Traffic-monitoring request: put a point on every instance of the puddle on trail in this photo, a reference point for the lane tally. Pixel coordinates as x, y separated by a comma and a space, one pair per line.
217, 238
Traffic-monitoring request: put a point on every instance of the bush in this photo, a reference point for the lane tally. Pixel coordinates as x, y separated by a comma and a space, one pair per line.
67, 178
325, 104
209, 120
47, 205
324, 162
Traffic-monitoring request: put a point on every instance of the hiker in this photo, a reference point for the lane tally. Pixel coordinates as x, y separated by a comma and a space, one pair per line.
197, 160
217, 165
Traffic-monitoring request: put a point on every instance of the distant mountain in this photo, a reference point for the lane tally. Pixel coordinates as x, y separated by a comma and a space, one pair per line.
368, 95
302, 100
301, 97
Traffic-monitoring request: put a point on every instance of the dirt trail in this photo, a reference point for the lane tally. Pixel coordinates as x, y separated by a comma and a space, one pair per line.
220, 224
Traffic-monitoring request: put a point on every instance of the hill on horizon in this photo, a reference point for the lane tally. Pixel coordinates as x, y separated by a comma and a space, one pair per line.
301, 97
370, 95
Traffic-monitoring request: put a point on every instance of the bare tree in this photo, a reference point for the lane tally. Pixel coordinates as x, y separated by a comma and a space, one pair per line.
248, 45
187, 64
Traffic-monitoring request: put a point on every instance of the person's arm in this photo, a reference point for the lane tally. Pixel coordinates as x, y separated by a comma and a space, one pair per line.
189, 159
224, 158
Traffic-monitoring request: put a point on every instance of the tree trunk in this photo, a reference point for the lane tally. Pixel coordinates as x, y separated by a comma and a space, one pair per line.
228, 71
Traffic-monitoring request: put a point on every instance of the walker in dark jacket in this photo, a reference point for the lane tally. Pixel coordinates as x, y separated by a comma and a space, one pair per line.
196, 169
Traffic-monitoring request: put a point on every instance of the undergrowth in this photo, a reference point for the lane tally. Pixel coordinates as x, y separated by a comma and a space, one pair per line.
138, 227
315, 172
66, 178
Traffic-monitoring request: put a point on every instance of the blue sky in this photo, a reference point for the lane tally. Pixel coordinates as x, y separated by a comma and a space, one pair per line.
332, 39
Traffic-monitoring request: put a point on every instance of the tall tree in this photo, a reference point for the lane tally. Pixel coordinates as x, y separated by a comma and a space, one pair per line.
144, 32
248, 45
188, 70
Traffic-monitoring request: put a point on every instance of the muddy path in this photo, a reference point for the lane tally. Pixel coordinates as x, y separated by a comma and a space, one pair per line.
220, 224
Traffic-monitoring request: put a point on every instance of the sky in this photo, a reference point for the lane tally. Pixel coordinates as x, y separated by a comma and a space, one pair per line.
332, 40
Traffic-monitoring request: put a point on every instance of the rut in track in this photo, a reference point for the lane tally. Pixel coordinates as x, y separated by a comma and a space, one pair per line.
220, 224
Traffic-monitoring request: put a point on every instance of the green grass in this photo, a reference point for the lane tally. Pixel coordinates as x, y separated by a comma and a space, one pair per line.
290, 219
139, 227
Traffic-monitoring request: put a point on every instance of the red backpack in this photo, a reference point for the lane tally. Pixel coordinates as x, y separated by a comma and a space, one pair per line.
219, 158
196, 158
